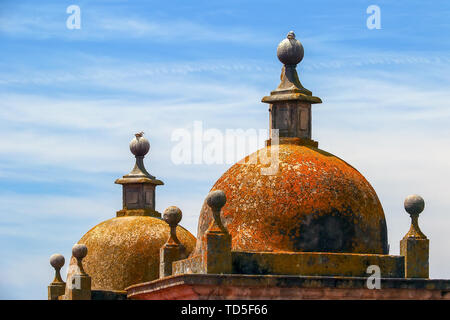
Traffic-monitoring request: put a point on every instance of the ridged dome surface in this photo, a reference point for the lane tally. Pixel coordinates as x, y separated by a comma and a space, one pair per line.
315, 202
125, 250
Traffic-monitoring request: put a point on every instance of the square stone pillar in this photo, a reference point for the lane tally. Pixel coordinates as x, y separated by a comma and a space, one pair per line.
217, 256
416, 253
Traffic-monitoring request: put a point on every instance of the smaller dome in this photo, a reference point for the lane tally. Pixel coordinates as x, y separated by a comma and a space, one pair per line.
124, 251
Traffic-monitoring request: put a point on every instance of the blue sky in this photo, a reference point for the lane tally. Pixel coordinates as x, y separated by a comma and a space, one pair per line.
71, 100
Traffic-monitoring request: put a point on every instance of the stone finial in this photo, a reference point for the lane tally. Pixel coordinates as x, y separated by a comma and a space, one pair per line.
80, 283
172, 250
57, 288
217, 240
290, 51
290, 103
138, 191
79, 251
139, 146
414, 205
216, 200
172, 215
57, 262
415, 246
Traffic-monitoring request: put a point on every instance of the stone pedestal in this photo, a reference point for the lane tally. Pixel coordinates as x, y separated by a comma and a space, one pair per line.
56, 290
416, 253
169, 253
217, 256
80, 288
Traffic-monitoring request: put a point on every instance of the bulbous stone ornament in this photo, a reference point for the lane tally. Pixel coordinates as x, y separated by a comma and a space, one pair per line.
79, 251
414, 204
172, 215
139, 146
57, 260
290, 51
216, 199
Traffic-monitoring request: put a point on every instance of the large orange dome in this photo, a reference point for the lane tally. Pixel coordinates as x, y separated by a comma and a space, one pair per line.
315, 202
125, 250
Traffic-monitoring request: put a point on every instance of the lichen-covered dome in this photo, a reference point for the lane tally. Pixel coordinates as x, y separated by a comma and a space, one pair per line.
125, 250
314, 202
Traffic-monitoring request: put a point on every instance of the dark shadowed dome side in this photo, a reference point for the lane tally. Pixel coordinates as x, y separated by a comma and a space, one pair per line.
315, 202
125, 250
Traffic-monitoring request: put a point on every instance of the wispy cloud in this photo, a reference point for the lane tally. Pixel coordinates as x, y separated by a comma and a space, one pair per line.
96, 25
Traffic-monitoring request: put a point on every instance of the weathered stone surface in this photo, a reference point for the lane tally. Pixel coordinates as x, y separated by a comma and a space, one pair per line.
416, 253
315, 202
193, 264
217, 256
316, 264
202, 286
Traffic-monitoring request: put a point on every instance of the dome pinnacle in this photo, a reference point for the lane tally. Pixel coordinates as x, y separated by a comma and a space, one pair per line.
139, 146
138, 185
290, 103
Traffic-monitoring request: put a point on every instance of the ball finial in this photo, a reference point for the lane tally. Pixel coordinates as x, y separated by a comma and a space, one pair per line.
172, 215
414, 204
216, 199
79, 251
290, 50
139, 146
57, 260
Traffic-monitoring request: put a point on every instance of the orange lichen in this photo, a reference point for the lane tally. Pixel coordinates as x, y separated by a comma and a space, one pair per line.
314, 202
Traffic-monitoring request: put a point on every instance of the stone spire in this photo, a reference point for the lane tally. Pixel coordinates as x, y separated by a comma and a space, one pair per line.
139, 186
290, 103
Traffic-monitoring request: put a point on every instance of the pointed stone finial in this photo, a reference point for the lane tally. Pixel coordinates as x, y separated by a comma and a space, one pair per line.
414, 205
57, 287
216, 200
139, 185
